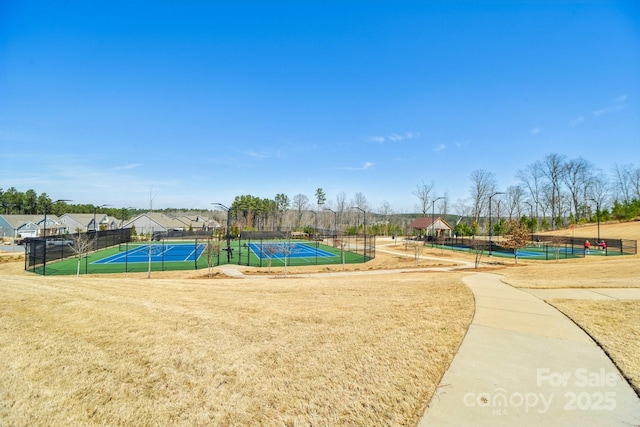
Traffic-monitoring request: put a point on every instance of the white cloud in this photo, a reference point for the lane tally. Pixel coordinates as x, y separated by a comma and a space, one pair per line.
535, 131
440, 147
404, 136
576, 121
378, 139
365, 166
257, 155
394, 137
127, 167
619, 104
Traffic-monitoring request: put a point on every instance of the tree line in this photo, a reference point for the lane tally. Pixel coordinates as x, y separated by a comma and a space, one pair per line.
554, 192
551, 192
15, 202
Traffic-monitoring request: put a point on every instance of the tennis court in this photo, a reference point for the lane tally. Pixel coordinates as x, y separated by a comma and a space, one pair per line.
542, 252
278, 250
167, 255
161, 252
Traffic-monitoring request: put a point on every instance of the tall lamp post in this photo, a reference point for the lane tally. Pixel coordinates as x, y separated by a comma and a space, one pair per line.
315, 226
335, 221
490, 225
335, 233
44, 234
228, 236
315, 233
433, 220
531, 219
364, 222
598, 216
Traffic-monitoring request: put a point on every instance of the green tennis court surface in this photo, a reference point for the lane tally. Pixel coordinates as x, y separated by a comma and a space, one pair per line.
180, 255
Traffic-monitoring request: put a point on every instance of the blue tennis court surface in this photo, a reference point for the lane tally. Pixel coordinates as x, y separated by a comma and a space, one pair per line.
175, 252
291, 250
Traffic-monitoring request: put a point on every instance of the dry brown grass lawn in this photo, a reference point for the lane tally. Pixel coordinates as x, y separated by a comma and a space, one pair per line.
180, 349
614, 325
185, 351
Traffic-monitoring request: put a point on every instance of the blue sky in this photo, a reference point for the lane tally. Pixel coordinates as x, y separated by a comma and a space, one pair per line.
196, 102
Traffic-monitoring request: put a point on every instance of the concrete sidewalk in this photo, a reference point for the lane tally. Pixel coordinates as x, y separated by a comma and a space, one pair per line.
524, 363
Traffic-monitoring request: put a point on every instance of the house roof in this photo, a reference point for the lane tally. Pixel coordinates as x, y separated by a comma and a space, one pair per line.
17, 221
161, 219
86, 218
199, 221
424, 222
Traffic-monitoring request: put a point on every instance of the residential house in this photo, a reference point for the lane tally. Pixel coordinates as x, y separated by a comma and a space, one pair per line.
199, 222
21, 226
84, 222
156, 222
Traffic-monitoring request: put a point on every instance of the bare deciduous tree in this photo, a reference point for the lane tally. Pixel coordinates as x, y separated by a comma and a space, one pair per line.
418, 247
622, 182
423, 193
532, 180
478, 246
83, 243
483, 184
553, 169
578, 178
286, 250
360, 201
385, 211
444, 203
341, 206
271, 250
300, 205
513, 199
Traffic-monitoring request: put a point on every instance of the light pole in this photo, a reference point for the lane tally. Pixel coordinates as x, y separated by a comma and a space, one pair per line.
433, 219
44, 234
364, 222
598, 216
315, 227
335, 234
335, 221
531, 219
490, 225
220, 205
